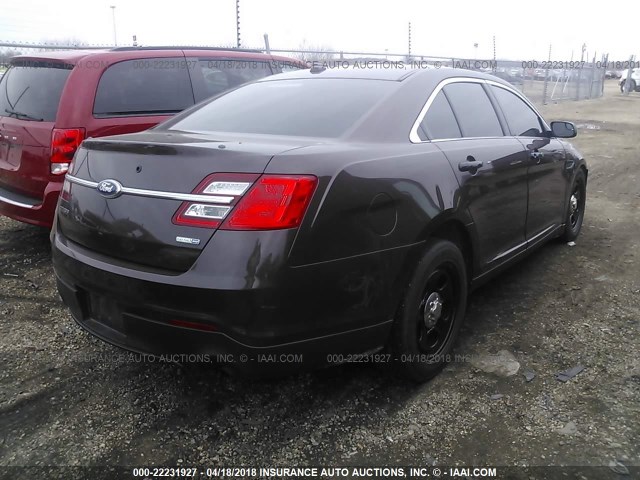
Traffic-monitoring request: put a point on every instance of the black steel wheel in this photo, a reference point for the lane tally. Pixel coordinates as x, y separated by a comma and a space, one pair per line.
576, 207
432, 312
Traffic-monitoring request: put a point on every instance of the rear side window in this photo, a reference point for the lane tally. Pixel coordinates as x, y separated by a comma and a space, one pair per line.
221, 75
473, 109
523, 121
439, 122
149, 86
32, 91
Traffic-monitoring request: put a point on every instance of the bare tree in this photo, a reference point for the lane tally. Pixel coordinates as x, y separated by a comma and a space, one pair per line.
64, 42
5, 55
310, 53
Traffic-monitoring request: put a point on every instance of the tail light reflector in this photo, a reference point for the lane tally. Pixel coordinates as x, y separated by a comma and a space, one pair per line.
193, 325
64, 143
243, 201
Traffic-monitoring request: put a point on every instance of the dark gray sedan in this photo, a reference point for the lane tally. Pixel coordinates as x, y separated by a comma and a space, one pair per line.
313, 218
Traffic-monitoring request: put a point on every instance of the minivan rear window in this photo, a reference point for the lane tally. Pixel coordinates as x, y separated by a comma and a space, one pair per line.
148, 86
32, 91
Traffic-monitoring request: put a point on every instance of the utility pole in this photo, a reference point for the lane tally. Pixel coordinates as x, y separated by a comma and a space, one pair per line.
113, 17
266, 43
628, 80
546, 79
409, 58
238, 43
494, 67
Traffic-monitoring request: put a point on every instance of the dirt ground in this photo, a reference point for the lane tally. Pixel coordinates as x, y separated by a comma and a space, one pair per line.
562, 307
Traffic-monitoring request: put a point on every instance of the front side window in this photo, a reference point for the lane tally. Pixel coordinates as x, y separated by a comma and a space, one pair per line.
473, 109
148, 86
439, 121
523, 122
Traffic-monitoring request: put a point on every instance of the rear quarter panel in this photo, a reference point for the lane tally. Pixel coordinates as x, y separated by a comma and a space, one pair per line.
365, 228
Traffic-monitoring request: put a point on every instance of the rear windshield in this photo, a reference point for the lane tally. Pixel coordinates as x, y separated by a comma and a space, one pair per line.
32, 92
305, 108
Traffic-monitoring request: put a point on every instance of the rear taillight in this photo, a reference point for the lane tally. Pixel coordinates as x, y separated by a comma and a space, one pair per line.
224, 189
275, 201
64, 143
249, 202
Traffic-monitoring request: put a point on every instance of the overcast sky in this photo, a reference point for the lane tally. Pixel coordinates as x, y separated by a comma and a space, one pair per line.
523, 30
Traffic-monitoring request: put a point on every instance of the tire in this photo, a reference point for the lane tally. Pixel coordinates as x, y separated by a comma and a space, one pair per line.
632, 84
431, 313
575, 208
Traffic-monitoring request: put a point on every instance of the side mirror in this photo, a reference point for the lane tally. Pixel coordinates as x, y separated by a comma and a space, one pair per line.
563, 129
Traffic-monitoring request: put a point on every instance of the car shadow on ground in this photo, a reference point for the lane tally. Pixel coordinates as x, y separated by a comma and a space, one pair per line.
159, 402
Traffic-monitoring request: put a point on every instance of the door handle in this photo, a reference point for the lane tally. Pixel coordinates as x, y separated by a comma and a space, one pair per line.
471, 165
537, 156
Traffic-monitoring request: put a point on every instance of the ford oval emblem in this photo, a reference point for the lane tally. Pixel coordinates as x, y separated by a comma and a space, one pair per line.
110, 188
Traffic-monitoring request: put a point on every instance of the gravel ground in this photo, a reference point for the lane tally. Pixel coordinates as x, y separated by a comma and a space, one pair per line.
564, 306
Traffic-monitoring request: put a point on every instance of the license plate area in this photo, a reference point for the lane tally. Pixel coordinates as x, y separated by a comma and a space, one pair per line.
106, 311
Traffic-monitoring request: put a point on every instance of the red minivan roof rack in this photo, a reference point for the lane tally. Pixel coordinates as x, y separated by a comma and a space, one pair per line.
186, 47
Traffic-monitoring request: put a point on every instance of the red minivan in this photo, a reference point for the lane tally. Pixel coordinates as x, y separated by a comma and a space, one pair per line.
50, 102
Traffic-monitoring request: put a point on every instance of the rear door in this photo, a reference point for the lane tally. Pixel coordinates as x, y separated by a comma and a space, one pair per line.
30, 92
490, 167
547, 182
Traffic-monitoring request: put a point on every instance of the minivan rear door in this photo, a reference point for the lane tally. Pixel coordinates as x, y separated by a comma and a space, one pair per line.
29, 96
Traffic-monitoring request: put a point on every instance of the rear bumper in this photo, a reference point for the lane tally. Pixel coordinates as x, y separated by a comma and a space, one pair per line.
248, 329
29, 210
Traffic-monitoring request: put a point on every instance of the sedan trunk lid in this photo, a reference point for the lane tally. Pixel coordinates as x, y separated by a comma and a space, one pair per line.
123, 192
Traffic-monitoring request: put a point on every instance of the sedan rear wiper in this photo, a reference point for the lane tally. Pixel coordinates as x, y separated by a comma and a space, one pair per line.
25, 115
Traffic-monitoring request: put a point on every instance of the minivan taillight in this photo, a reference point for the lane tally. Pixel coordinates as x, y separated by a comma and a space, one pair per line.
237, 203
64, 143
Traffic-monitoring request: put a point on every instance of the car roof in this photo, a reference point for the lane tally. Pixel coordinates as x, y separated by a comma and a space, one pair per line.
122, 53
392, 74
389, 74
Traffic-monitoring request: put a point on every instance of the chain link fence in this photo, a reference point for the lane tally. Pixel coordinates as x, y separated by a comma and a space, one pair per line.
541, 81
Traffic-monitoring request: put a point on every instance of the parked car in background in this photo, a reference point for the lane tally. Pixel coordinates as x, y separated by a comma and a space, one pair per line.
51, 102
634, 82
516, 72
516, 81
321, 215
539, 74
